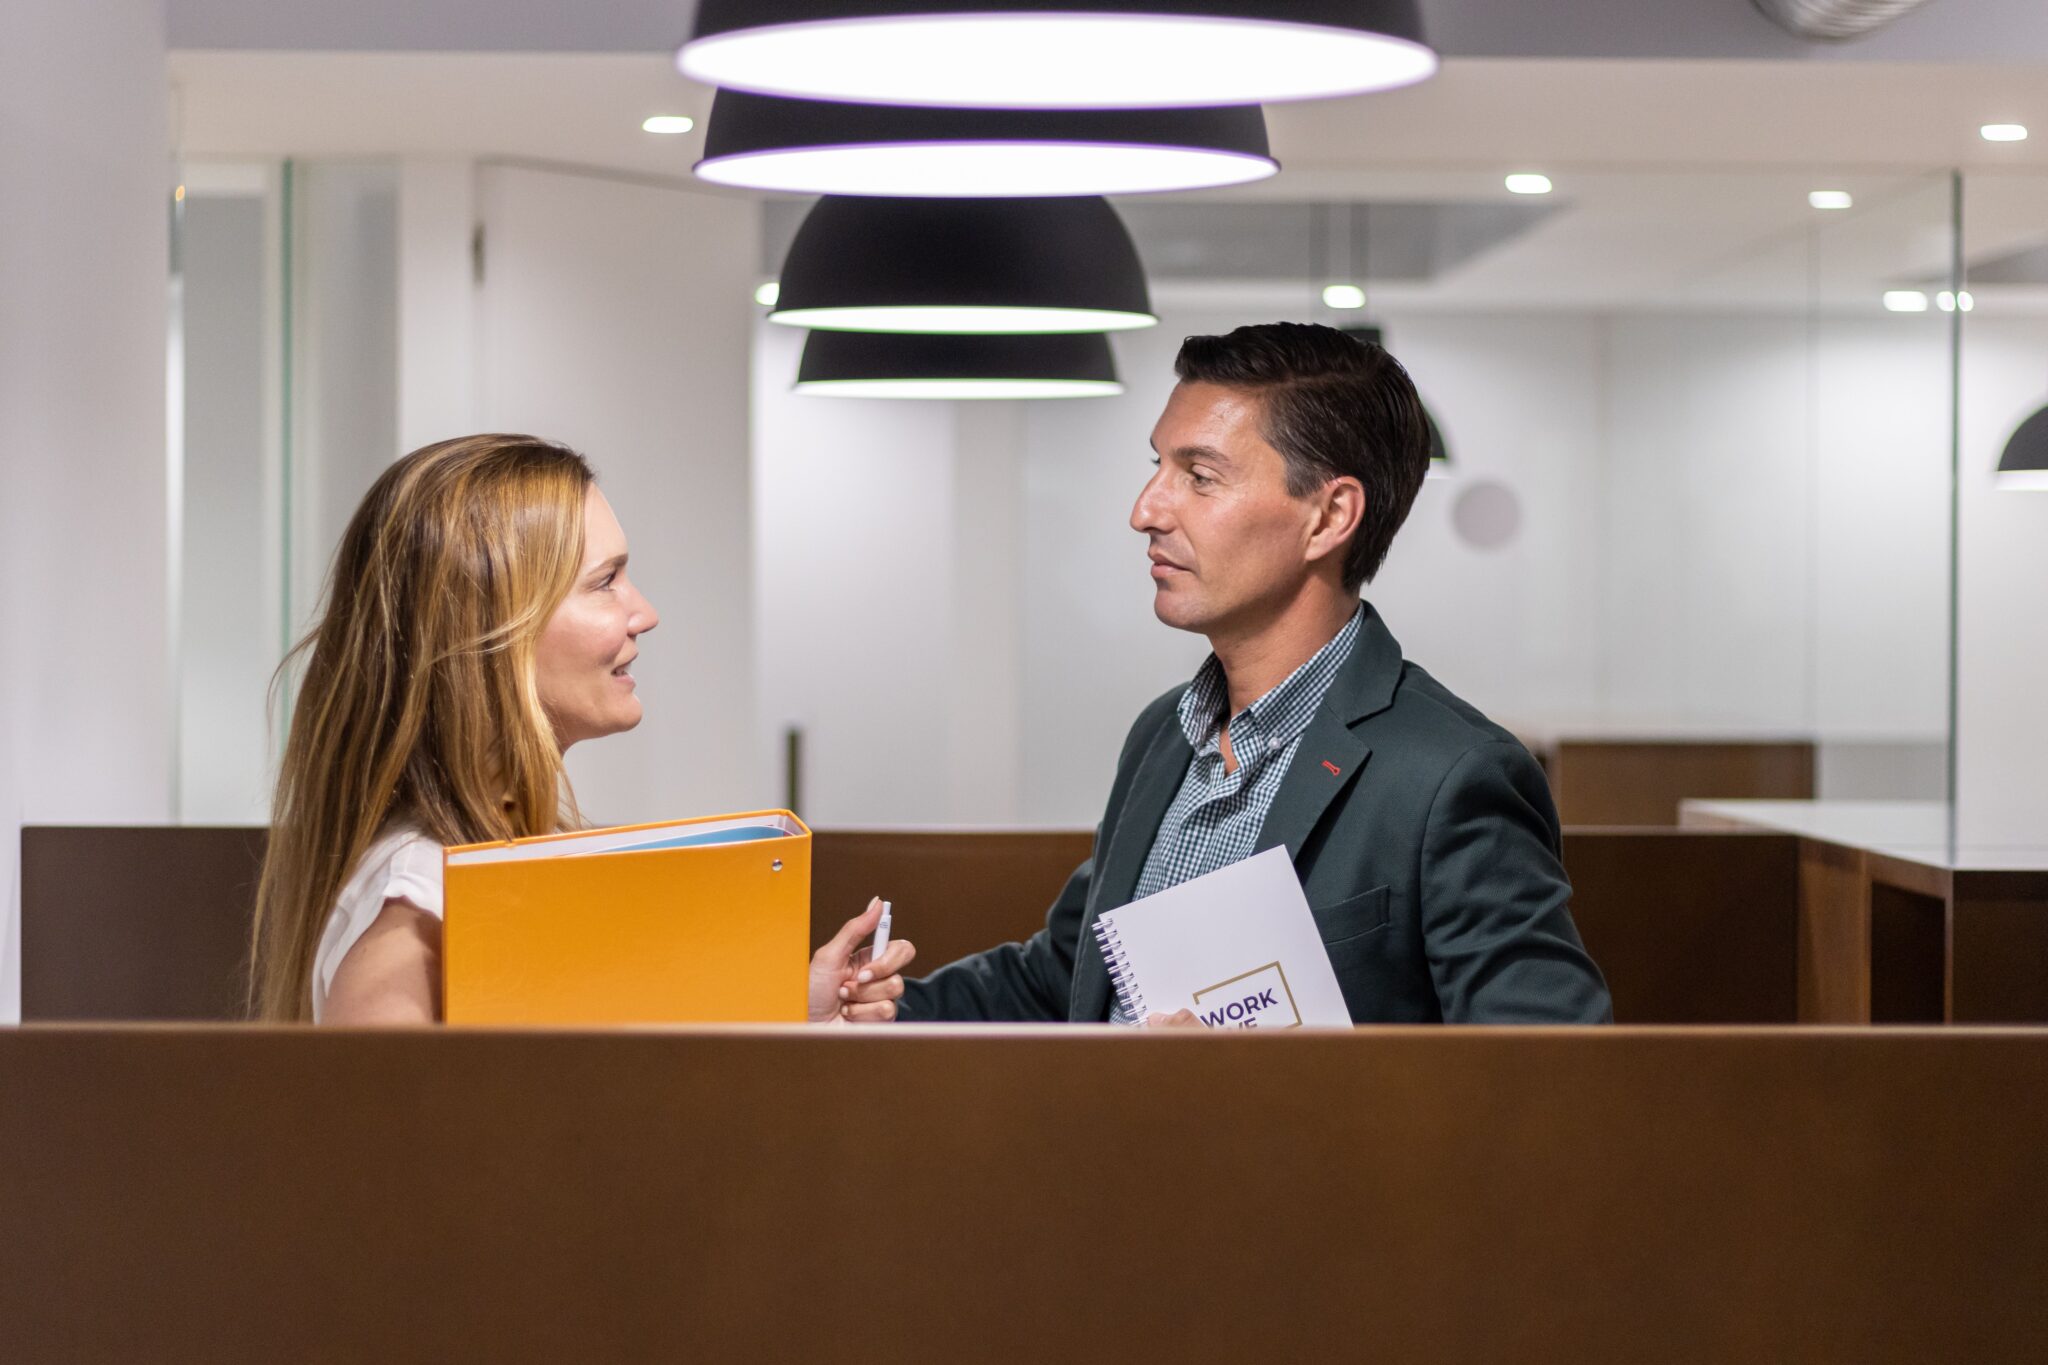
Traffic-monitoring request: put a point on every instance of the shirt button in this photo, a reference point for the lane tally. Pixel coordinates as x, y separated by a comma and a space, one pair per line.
1273, 746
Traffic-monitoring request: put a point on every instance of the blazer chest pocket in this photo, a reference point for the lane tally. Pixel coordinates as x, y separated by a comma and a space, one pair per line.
1362, 914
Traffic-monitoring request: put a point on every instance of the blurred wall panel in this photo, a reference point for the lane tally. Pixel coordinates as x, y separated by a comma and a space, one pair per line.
616, 316
85, 711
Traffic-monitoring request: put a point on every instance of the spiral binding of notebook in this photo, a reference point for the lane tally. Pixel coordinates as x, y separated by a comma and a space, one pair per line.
1120, 974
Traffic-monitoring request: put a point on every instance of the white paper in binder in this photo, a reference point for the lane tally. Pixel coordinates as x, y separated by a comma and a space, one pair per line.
1238, 947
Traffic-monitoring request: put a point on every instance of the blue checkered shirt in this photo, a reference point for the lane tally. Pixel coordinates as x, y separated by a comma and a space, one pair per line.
1215, 819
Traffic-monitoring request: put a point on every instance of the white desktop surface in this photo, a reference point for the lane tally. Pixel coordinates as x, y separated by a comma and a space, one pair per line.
1915, 831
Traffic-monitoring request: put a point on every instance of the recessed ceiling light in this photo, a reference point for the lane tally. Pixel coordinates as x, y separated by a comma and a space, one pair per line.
670, 124
1345, 296
1946, 301
1073, 54
1830, 199
1528, 182
768, 294
1905, 301
765, 142
2003, 132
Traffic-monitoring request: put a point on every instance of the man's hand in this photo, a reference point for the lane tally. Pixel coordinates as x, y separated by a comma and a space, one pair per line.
845, 986
1178, 1019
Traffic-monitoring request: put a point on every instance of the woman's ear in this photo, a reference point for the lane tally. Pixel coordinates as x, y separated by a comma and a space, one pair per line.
1340, 510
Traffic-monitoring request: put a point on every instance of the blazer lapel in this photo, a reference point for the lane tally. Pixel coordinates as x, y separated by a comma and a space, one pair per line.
1331, 754
1122, 861
1159, 775
1325, 764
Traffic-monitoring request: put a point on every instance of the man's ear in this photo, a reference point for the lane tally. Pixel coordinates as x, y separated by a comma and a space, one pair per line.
1340, 512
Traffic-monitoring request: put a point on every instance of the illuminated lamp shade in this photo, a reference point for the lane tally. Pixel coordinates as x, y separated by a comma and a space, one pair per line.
963, 266
764, 142
2024, 465
889, 365
1058, 54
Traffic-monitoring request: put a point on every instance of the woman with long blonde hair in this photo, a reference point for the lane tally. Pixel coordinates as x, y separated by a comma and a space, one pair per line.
479, 620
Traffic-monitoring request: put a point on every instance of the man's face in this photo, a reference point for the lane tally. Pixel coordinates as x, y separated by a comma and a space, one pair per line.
1229, 544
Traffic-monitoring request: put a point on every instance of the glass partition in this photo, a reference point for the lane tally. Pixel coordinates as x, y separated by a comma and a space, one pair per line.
287, 274
1699, 466
1700, 437
2002, 655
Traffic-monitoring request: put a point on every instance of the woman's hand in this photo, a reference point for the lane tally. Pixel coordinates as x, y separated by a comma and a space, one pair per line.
845, 986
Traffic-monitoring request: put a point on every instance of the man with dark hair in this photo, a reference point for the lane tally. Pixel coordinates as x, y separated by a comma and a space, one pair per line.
1424, 834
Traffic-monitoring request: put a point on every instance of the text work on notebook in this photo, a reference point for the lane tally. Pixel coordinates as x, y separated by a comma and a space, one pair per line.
1239, 947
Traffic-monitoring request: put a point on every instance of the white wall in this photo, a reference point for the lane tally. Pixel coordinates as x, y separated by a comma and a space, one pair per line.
343, 320
438, 380
84, 681
2002, 725
617, 317
1729, 525
886, 550
1881, 533
1518, 630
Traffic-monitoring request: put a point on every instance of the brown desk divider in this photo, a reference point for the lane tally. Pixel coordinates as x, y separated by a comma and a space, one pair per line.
220, 1195
1641, 782
136, 922
140, 923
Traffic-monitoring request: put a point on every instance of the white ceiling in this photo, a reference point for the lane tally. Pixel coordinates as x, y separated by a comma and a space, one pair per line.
1940, 30
1483, 115
1678, 182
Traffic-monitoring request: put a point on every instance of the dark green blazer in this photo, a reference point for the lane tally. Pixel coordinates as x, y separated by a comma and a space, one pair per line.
1424, 835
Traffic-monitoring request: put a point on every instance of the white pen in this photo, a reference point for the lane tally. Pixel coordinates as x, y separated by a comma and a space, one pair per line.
881, 935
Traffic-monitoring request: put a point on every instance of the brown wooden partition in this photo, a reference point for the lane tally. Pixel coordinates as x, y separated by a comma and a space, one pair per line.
255, 1195
1642, 782
954, 892
136, 922
1690, 930
1689, 927
141, 923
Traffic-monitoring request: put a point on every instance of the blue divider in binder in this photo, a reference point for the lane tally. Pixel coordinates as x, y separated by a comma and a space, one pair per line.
745, 834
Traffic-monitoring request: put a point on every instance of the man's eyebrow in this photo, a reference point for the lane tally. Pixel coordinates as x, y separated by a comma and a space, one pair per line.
1208, 454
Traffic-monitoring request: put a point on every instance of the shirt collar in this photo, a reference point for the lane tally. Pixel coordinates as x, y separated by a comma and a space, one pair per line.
1281, 714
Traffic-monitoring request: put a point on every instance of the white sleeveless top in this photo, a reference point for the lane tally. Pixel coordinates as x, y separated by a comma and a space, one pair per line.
404, 864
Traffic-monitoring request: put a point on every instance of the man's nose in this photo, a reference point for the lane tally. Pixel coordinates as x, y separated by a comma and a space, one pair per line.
1149, 512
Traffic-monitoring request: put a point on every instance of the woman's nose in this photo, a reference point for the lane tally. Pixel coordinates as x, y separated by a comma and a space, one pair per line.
643, 619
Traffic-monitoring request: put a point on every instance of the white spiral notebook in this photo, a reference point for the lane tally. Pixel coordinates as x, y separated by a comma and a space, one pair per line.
1238, 947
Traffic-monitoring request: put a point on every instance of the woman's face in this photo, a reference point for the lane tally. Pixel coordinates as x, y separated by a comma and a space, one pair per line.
589, 643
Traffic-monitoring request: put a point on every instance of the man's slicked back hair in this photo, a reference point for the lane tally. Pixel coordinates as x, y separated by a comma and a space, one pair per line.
1334, 407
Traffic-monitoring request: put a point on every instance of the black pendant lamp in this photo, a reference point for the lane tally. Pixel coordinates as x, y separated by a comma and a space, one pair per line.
963, 266
886, 365
764, 142
2024, 465
1058, 54
1439, 453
